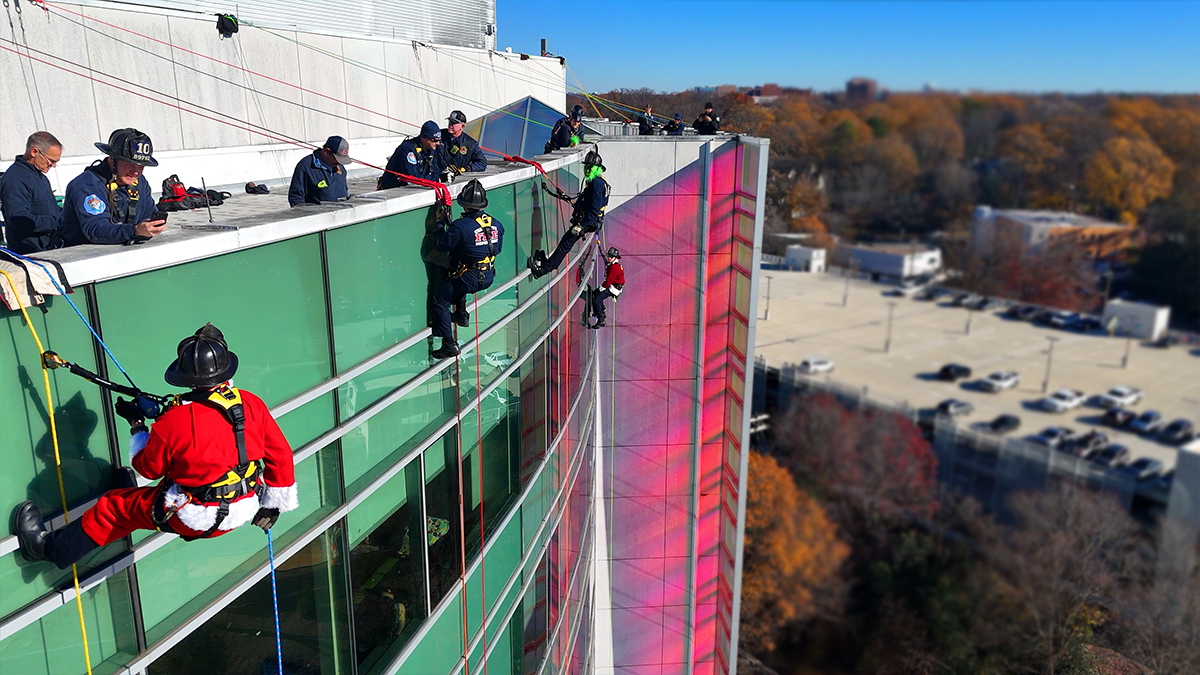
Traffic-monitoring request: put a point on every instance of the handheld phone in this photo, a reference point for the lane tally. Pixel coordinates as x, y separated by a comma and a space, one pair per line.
160, 215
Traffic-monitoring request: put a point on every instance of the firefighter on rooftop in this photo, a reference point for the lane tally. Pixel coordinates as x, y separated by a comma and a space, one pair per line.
588, 215
222, 459
566, 131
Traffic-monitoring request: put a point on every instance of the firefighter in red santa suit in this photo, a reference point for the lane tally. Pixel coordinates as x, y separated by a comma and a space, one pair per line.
222, 459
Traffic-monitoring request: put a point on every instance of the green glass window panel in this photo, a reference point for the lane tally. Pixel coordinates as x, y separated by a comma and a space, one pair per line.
26, 448
501, 660
741, 293
387, 570
444, 526
378, 288
377, 443
359, 393
745, 256
502, 206
740, 336
532, 386
745, 227
534, 508
312, 617
54, 644
23, 582
501, 563
440, 650
478, 370
534, 321
748, 182
490, 471
307, 422
746, 204
182, 577
535, 612
269, 301
494, 310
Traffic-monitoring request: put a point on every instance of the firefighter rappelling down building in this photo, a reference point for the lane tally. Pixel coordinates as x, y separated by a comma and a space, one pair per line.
472, 242
614, 283
587, 216
222, 459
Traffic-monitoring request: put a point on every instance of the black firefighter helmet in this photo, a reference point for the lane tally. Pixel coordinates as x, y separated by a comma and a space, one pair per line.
473, 196
129, 145
204, 360
593, 158
577, 113
614, 253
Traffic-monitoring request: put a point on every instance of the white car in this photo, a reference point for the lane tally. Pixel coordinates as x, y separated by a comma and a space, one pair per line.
498, 359
999, 381
1063, 400
1120, 397
816, 366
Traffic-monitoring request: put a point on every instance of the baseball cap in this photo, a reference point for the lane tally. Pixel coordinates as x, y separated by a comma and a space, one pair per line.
678, 116
340, 149
708, 105
457, 117
430, 129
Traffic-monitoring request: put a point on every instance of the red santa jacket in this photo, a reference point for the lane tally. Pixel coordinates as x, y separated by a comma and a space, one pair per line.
193, 445
614, 278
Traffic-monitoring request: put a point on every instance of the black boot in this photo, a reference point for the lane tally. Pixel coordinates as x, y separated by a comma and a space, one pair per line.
598, 324
124, 477
31, 532
537, 264
462, 318
449, 348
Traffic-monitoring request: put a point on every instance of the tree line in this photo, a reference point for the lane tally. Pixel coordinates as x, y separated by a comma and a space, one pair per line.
857, 562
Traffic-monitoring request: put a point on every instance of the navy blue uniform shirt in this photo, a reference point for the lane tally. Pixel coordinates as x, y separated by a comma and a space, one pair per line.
560, 136
410, 160
462, 153
590, 204
313, 182
465, 241
31, 212
98, 211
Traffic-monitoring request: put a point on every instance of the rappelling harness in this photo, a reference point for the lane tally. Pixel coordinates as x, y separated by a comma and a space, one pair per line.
238, 481
486, 264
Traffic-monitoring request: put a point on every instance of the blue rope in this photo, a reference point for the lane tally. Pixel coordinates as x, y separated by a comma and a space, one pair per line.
54, 281
275, 602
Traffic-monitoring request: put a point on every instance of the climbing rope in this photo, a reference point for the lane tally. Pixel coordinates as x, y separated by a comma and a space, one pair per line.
479, 420
275, 603
462, 535
62, 491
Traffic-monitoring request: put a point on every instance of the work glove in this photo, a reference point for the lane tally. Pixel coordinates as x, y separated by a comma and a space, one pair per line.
130, 411
265, 518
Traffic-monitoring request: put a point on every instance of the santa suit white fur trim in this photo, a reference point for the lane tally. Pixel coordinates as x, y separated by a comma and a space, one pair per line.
282, 498
200, 517
137, 442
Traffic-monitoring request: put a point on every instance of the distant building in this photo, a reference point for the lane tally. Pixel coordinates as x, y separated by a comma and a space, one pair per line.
1033, 228
805, 259
726, 89
861, 89
895, 261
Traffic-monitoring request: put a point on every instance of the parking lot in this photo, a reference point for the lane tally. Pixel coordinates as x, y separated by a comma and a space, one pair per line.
807, 320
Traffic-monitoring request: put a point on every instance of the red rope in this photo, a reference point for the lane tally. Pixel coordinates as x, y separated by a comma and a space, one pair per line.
430, 184
479, 419
462, 535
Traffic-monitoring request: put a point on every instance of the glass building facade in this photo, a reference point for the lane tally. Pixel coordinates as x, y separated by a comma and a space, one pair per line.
450, 512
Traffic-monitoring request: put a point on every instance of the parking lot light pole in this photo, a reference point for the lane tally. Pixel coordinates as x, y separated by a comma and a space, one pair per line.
1125, 359
767, 315
887, 345
846, 293
970, 313
1049, 361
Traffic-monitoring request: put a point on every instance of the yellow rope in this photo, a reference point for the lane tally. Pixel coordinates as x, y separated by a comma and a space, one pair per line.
87, 657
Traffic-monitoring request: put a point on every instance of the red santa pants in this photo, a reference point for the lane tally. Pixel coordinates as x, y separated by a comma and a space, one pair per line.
117, 513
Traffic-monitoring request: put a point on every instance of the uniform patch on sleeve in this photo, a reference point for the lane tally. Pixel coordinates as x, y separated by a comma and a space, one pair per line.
322, 184
412, 158
94, 205
462, 149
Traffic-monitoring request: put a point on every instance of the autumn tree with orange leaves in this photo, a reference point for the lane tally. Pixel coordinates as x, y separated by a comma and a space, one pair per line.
792, 556
1126, 175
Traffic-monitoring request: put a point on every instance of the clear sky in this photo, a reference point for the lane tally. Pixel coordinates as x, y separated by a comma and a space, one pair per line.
998, 45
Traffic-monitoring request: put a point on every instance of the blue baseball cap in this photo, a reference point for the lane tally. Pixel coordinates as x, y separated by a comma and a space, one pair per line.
431, 130
678, 116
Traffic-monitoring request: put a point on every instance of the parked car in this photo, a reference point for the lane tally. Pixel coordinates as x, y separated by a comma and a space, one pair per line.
1118, 418
1086, 445
1085, 324
1063, 400
999, 381
964, 299
1112, 456
1147, 423
498, 359
952, 372
983, 304
1004, 424
1177, 432
816, 366
1165, 341
932, 293
1053, 437
1120, 397
1144, 468
953, 407
1022, 312
909, 287
1061, 319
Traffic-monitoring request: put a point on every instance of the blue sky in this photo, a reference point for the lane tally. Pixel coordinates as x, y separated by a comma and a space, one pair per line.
1013, 45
